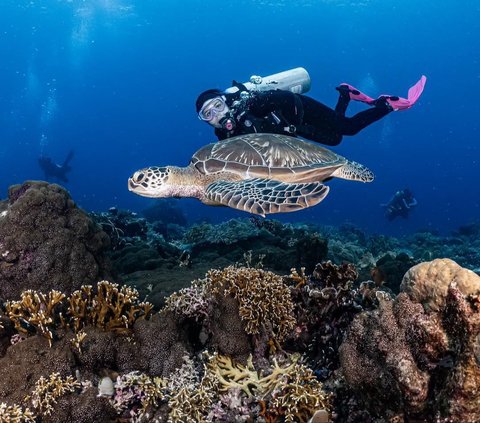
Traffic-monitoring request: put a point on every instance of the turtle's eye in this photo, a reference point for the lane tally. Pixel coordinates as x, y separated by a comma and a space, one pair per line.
138, 177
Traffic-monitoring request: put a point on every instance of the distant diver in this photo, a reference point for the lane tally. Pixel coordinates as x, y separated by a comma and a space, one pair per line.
400, 204
54, 170
276, 105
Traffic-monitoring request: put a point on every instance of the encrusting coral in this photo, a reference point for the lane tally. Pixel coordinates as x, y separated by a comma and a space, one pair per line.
47, 242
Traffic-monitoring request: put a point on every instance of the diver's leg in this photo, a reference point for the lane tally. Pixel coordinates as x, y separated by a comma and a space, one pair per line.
353, 125
319, 122
343, 101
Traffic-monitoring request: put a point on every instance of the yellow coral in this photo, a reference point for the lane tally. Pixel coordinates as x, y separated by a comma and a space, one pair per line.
47, 391
35, 309
428, 282
299, 395
264, 300
15, 414
190, 404
293, 389
111, 308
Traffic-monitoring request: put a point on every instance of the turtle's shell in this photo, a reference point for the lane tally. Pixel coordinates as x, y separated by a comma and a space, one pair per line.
271, 156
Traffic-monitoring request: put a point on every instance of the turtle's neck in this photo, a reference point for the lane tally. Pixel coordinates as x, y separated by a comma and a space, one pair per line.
187, 182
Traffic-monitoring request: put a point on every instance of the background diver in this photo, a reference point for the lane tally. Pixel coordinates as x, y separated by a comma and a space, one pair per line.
285, 112
54, 170
400, 204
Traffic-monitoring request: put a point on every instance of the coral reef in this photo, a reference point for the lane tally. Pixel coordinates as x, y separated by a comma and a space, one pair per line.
47, 242
428, 283
110, 308
325, 304
416, 356
264, 300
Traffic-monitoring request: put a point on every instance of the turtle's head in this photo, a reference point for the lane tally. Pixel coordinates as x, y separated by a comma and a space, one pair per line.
151, 182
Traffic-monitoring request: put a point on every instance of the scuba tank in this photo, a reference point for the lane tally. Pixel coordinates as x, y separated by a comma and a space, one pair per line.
296, 80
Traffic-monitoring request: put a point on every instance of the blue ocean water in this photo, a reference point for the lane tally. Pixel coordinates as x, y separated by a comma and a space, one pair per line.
116, 81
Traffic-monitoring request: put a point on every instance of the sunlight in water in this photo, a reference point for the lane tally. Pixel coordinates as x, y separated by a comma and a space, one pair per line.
89, 14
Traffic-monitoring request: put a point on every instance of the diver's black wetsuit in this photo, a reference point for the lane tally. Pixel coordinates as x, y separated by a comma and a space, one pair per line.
283, 112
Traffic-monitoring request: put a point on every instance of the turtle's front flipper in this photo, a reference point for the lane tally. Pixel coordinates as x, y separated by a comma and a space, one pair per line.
265, 196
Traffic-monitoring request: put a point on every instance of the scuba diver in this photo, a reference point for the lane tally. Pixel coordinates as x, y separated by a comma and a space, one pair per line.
52, 169
278, 106
400, 204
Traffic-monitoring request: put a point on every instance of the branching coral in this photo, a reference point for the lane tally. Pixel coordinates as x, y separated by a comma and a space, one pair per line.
325, 305
35, 310
299, 395
15, 414
111, 308
191, 302
290, 390
264, 300
136, 392
191, 403
47, 392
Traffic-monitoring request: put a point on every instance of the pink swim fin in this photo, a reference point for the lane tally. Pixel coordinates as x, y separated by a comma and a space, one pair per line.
414, 93
396, 103
354, 94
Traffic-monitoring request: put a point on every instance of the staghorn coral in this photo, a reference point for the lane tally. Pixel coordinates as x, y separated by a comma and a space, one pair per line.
264, 300
289, 390
135, 392
299, 396
47, 391
111, 309
15, 414
36, 311
191, 402
428, 282
192, 302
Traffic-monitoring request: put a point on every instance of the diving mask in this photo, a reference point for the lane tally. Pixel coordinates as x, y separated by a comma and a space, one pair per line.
212, 108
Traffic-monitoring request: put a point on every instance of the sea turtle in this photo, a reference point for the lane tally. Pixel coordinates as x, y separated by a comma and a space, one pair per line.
257, 173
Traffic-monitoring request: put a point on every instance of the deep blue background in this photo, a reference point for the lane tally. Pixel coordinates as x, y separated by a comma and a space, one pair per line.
117, 81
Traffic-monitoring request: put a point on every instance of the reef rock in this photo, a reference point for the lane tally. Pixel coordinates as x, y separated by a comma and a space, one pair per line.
417, 356
47, 242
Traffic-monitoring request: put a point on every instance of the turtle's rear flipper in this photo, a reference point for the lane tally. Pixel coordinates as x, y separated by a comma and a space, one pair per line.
355, 172
265, 196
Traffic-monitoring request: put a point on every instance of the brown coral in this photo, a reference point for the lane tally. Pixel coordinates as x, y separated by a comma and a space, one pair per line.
264, 300
427, 283
47, 242
414, 362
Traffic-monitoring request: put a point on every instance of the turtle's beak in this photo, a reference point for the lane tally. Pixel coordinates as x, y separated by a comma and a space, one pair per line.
131, 185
